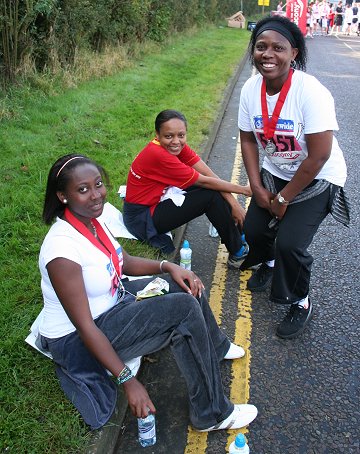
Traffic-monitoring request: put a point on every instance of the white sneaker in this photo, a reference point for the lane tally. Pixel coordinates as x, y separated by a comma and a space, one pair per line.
242, 415
234, 352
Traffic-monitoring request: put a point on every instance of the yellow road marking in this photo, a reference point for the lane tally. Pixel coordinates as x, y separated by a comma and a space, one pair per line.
240, 385
218, 283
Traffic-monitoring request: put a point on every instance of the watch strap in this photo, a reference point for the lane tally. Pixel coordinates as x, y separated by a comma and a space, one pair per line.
281, 199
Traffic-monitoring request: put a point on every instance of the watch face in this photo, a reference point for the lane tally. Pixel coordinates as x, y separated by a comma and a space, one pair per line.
281, 199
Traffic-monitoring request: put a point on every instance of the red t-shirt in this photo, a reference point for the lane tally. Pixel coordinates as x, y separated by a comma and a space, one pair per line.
154, 169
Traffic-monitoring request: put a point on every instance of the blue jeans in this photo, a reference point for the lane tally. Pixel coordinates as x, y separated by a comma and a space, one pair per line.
188, 325
177, 319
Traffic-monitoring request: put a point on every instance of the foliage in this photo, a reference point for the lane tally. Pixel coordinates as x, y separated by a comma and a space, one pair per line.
44, 35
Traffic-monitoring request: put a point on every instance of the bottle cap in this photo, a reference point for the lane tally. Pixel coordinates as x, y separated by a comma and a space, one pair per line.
186, 244
240, 441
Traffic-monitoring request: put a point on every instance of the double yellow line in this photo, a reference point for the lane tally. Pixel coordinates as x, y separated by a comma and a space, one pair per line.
240, 383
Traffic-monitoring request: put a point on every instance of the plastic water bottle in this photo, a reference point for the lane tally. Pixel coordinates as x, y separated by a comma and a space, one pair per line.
212, 231
239, 445
147, 430
185, 256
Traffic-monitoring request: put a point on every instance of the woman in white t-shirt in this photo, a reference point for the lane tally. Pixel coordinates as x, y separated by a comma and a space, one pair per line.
316, 16
303, 171
348, 17
92, 322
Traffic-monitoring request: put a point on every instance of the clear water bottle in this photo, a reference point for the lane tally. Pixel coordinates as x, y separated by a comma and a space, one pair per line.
185, 256
239, 445
147, 430
212, 231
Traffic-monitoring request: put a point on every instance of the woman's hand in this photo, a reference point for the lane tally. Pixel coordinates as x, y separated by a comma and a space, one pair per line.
186, 279
138, 398
238, 213
277, 209
247, 191
264, 198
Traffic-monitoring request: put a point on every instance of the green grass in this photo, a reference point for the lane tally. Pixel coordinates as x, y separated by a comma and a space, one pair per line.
110, 119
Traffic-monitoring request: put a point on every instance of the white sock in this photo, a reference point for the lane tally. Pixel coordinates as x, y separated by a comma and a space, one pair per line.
270, 263
303, 303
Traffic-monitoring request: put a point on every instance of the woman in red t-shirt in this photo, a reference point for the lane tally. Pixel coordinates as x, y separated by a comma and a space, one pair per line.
169, 185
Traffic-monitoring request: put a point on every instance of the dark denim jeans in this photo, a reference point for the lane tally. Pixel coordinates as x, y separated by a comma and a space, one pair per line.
137, 328
186, 324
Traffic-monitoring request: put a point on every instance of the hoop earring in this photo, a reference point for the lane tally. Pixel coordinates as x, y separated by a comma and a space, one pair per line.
293, 64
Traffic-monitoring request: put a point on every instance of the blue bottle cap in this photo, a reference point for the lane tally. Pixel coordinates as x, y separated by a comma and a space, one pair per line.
186, 244
240, 441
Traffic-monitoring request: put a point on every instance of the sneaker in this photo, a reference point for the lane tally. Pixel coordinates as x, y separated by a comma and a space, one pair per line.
261, 279
242, 415
234, 352
235, 261
295, 321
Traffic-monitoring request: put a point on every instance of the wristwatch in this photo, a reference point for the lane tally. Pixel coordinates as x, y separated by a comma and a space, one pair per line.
281, 199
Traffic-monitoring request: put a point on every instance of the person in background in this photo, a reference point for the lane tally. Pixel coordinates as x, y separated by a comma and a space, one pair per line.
330, 18
348, 17
309, 22
168, 185
93, 323
338, 21
324, 12
354, 26
316, 16
303, 172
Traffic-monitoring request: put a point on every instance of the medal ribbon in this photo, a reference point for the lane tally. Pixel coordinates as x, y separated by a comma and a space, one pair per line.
270, 125
105, 245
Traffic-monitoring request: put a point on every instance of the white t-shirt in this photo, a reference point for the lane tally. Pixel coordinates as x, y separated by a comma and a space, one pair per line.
308, 108
348, 15
324, 10
65, 241
316, 11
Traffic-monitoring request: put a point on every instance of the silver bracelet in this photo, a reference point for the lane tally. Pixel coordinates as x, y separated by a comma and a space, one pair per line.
161, 265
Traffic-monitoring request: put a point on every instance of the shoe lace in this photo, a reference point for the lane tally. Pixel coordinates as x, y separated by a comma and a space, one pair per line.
295, 312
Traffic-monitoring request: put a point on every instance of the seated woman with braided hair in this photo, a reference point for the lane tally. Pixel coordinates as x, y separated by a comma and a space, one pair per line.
93, 323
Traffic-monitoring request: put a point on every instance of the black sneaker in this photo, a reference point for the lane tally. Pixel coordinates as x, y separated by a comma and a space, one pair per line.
261, 279
295, 321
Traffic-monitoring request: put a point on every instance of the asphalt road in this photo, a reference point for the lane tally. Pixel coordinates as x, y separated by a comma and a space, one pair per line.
306, 389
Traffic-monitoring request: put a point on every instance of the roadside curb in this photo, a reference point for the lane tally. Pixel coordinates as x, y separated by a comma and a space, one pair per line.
103, 440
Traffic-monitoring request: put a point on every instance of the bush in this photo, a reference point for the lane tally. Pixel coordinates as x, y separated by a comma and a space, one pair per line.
45, 35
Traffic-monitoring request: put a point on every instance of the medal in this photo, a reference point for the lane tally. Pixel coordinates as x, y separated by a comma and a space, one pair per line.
269, 124
270, 147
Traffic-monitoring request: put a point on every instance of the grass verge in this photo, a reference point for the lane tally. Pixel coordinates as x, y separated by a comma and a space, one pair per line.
111, 120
